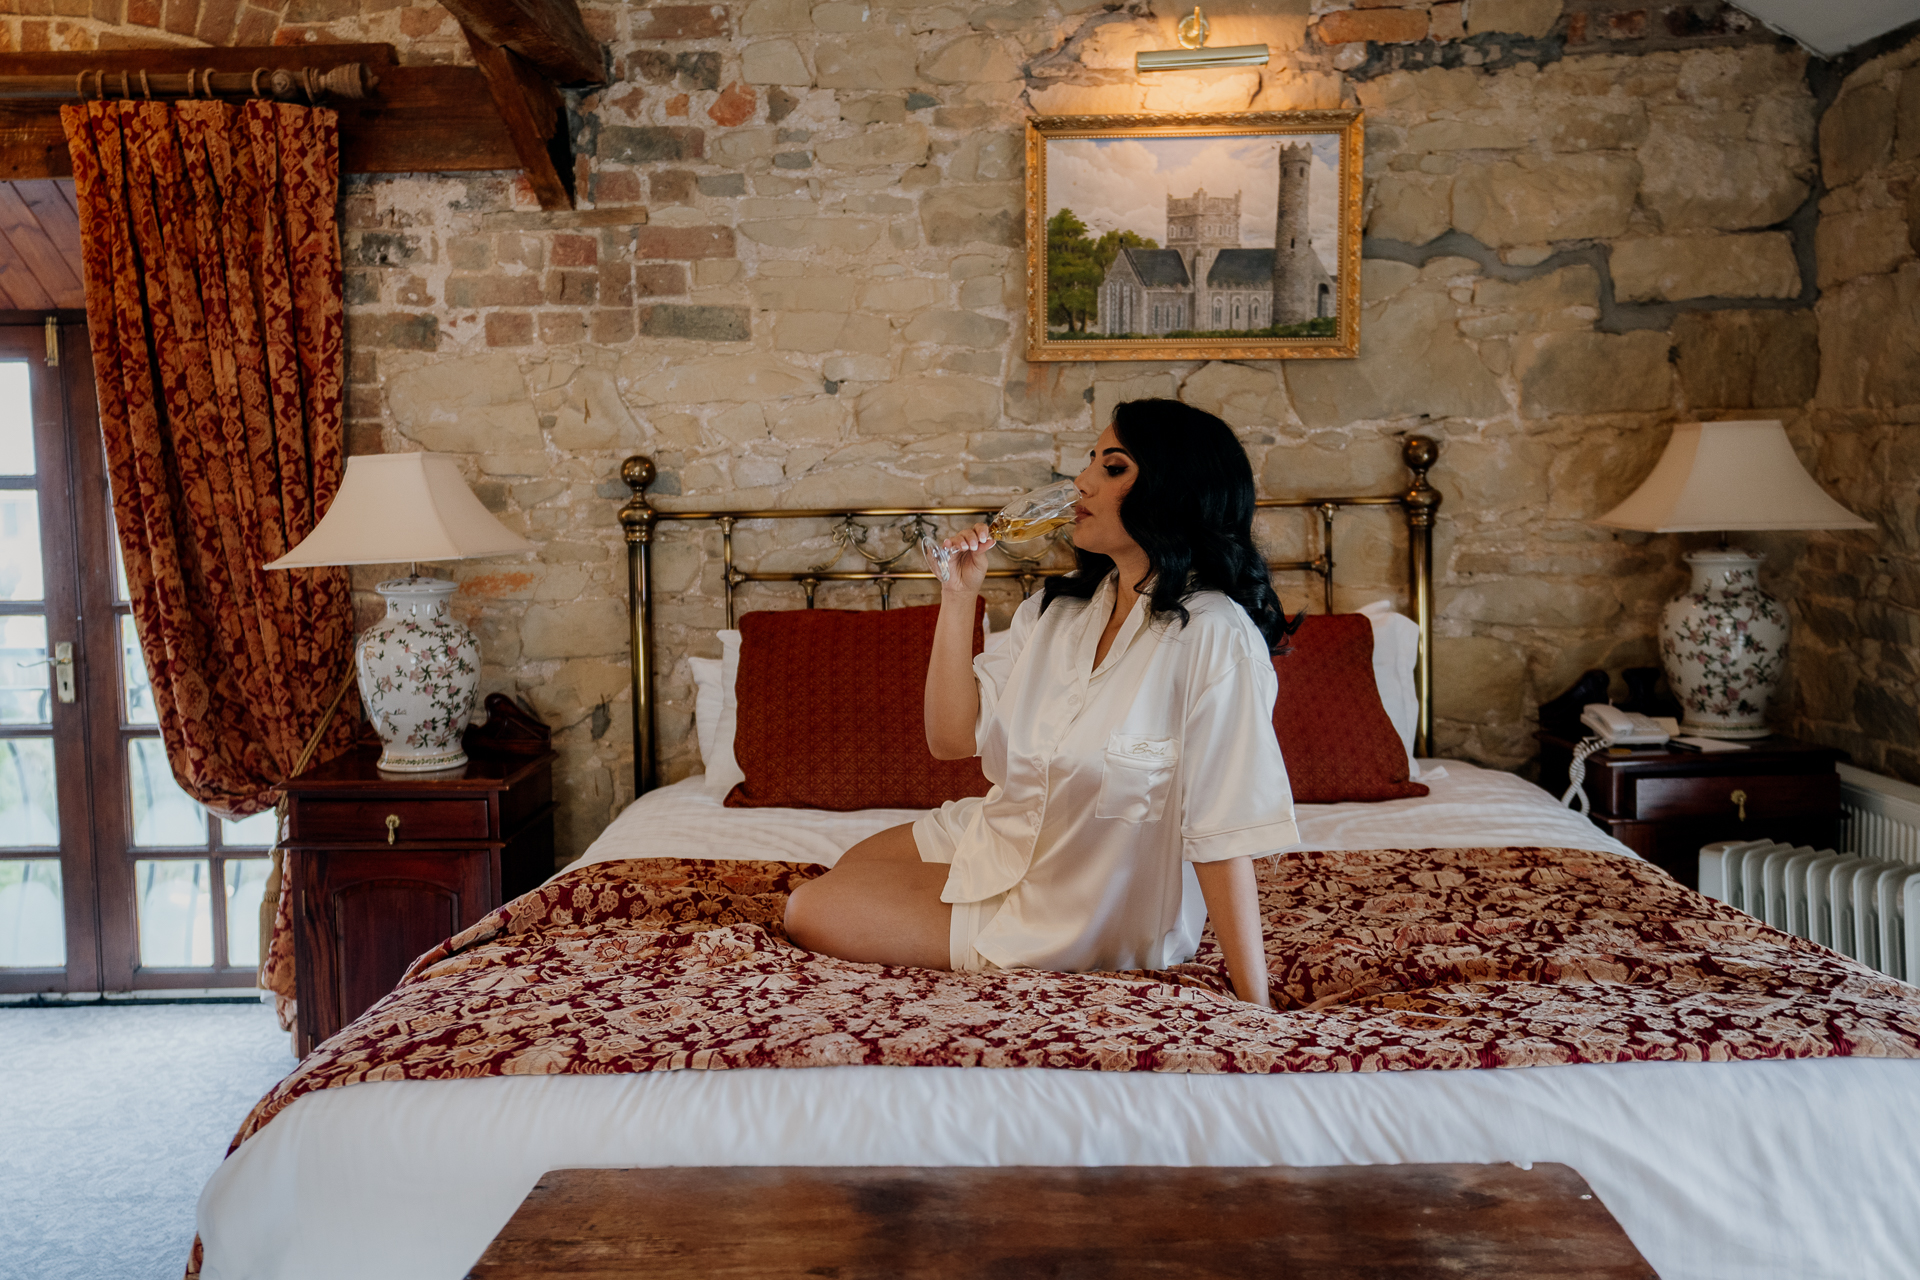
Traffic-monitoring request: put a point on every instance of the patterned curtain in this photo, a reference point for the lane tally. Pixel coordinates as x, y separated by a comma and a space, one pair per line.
214, 303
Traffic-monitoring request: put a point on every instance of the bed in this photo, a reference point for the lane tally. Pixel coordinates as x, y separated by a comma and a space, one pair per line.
1746, 1104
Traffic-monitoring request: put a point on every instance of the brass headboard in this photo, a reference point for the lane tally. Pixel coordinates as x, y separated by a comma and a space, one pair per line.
639, 517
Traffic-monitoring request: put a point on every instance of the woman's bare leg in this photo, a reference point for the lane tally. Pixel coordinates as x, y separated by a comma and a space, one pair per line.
880, 904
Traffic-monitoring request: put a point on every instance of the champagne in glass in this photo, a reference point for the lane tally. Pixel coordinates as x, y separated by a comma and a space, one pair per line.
1027, 517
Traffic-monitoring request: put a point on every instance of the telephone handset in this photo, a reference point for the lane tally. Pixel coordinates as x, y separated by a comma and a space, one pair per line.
1612, 727
1622, 728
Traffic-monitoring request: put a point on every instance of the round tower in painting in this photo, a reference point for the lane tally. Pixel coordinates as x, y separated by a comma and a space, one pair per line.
1297, 272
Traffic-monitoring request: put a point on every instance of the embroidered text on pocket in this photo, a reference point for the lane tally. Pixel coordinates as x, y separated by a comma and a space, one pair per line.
1138, 778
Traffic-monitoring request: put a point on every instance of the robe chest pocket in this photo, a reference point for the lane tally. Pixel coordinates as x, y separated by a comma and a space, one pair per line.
1138, 777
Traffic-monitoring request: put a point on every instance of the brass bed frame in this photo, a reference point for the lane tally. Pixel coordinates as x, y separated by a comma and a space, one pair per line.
639, 519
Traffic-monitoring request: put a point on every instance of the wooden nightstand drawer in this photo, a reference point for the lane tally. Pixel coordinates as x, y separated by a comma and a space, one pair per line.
365, 821
1767, 796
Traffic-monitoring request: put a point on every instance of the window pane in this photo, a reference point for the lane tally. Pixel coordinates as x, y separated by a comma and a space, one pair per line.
28, 812
257, 832
25, 680
122, 594
20, 577
246, 885
175, 902
134, 684
163, 814
16, 420
33, 928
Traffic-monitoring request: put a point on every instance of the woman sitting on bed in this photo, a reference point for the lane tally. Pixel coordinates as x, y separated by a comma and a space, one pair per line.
1127, 726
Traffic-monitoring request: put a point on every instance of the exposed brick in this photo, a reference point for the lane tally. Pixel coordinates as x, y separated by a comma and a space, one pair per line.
613, 328
493, 291
703, 324
648, 144
510, 329
70, 8
112, 12
616, 285
470, 253
735, 105
217, 19
681, 22
601, 24
366, 402
670, 186
362, 367
364, 438
256, 28
360, 288
1448, 21
681, 70
677, 105
780, 105
411, 291
1384, 26
572, 288
302, 36
561, 328
34, 38
615, 186
383, 249
652, 243
1625, 26
575, 251
520, 250
723, 184
660, 279
399, 332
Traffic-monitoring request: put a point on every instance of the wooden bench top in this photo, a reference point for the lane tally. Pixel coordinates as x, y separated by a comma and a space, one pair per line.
1490, 1222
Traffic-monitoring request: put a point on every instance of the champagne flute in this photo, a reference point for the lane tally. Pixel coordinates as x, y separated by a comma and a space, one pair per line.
1027, 517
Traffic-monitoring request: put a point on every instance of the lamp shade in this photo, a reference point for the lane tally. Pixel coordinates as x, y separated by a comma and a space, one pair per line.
1724, 476
402, 506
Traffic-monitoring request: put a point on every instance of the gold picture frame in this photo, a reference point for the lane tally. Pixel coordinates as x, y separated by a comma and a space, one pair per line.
1213, 284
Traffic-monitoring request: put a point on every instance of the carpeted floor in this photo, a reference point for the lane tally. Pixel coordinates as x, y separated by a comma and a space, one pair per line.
111, 1119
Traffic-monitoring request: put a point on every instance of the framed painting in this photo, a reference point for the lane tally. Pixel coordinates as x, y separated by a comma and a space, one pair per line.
1206, 237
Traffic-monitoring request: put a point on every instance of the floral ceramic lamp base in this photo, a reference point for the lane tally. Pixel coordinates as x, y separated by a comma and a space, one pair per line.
419, 667
1724, 644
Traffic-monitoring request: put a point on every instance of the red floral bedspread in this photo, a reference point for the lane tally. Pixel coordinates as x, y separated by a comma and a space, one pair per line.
1387, 960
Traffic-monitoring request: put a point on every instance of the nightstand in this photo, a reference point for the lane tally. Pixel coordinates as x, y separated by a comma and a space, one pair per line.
1664, 804
387, 865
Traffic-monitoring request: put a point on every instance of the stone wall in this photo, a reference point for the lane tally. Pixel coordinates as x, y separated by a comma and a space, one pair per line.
796, 280
1856, 596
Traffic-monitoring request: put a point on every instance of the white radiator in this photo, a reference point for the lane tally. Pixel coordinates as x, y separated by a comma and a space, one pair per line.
1858, 903
1882, 815
1858, 906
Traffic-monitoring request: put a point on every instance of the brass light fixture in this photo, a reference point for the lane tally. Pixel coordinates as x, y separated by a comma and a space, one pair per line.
1193, 54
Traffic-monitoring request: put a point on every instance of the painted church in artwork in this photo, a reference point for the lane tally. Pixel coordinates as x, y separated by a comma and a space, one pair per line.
1203, 280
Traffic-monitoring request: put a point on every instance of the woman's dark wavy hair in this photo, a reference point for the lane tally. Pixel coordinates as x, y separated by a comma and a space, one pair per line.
1191, 510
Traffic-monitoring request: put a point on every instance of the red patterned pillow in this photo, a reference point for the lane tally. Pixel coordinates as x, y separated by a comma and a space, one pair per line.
1333, 730
830, 712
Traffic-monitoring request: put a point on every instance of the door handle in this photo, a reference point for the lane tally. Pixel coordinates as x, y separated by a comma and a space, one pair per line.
1740, 798
62, 664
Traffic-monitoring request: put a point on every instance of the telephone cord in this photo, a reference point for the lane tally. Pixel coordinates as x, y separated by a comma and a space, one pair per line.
1577, 776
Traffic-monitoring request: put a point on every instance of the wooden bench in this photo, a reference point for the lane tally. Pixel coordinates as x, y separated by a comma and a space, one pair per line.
1490, 1222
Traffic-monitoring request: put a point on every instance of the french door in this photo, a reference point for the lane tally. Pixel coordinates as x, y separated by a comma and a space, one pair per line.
111, 877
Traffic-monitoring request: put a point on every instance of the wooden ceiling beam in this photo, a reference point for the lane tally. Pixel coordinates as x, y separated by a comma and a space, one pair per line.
550, 34
536, 119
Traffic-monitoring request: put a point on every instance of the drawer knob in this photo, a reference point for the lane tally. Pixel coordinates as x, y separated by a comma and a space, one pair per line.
1738, 797
393, 823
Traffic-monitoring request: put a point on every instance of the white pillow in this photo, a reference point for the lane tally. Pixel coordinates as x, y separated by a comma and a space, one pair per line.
1396, 652
714, 712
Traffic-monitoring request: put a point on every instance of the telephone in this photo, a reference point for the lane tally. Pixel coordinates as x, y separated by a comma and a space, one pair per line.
1623, 728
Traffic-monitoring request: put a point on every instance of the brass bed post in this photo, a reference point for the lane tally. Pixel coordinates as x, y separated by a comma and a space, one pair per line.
637, 519
1421, 501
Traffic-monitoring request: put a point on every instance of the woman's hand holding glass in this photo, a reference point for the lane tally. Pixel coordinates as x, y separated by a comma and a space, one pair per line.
965, 560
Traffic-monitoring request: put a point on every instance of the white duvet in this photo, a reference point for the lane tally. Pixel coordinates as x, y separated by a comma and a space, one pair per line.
1799, 1170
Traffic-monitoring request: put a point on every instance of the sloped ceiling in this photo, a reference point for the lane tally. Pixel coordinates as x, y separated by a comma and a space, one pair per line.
39, 247
1831, 27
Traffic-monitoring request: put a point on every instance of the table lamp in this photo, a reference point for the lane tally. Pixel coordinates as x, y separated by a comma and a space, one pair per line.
1724, 640
419, 665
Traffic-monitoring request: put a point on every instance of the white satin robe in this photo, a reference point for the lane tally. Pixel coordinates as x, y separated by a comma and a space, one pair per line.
1106, 781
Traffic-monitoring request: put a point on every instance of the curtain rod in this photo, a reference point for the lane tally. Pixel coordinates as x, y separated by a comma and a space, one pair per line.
289, 84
